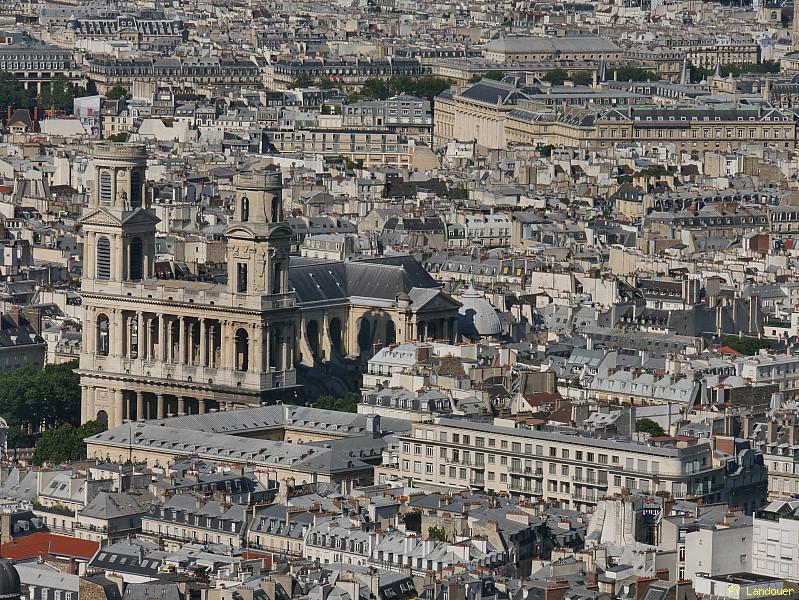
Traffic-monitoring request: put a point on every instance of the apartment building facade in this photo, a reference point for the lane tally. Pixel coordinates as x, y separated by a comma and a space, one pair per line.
564, 466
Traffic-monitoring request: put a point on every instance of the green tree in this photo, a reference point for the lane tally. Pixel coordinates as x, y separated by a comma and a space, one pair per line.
475, 78
60, 95
116, 93
437, 533
545, 150
64, 443
649, 426
119, 137
348, 403
13, 94
635, 74
88, 429
747, 346
303, 81
375, 88
327, 84
556, 76
459, 192
496, 75
39, 399
581, 78
424, 87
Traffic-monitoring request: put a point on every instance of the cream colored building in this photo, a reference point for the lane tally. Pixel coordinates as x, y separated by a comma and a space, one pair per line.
560, 466
156, 347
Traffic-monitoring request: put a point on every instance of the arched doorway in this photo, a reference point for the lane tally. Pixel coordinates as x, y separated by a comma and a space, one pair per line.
242, 350
103, 331
334, 331
312, 333
136, 251
102, 417
364, 336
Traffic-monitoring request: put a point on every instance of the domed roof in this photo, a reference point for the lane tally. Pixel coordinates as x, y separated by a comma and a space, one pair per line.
478, 316
9, 581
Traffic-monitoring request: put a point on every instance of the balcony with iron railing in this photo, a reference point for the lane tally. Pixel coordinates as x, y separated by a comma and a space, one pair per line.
598, 482
528, 471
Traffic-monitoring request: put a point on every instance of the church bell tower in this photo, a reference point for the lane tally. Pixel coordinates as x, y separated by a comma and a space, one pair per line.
258, 242
118, 229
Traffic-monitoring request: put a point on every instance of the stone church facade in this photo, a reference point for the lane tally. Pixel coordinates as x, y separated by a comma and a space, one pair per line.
158, 347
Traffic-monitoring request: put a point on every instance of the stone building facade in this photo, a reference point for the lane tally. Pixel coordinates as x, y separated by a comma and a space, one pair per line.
158, 347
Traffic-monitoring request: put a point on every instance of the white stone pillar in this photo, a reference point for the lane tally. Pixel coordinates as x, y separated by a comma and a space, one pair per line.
181, 340
203, 344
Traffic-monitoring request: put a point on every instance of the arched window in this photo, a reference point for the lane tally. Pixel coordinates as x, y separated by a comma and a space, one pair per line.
103, 258
277, 210
277, 277
135, 189
103, 341
136, 250
245, 209
105, 187
242, 350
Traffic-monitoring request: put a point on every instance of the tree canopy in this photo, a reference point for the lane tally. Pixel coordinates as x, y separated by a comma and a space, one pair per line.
424, 87
635, 74
556, 76
649, 426
116, 93
581, 78
60, 95
33, 400
13, 93
64, 443
348, 403
746, 345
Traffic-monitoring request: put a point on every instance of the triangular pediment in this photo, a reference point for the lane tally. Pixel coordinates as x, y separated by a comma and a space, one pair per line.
141, 217
436, 300
100, 217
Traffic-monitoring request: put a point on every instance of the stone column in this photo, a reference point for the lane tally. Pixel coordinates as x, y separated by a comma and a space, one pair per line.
181, 340
268, 347
140, 405
170, 340
190, 358
292, 342
211, 349
88, 332
141, 335
83, 403
256, 346
445, 329
181, 406
201, 406
285, 348
118, 407
224, 345
119, 334
161, 339
160, 407
203, 345
91, 406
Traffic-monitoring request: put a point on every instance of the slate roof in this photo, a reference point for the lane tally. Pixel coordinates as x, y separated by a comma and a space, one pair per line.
381, 278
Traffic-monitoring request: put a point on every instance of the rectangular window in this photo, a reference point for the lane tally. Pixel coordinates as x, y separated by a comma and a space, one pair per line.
241, 278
